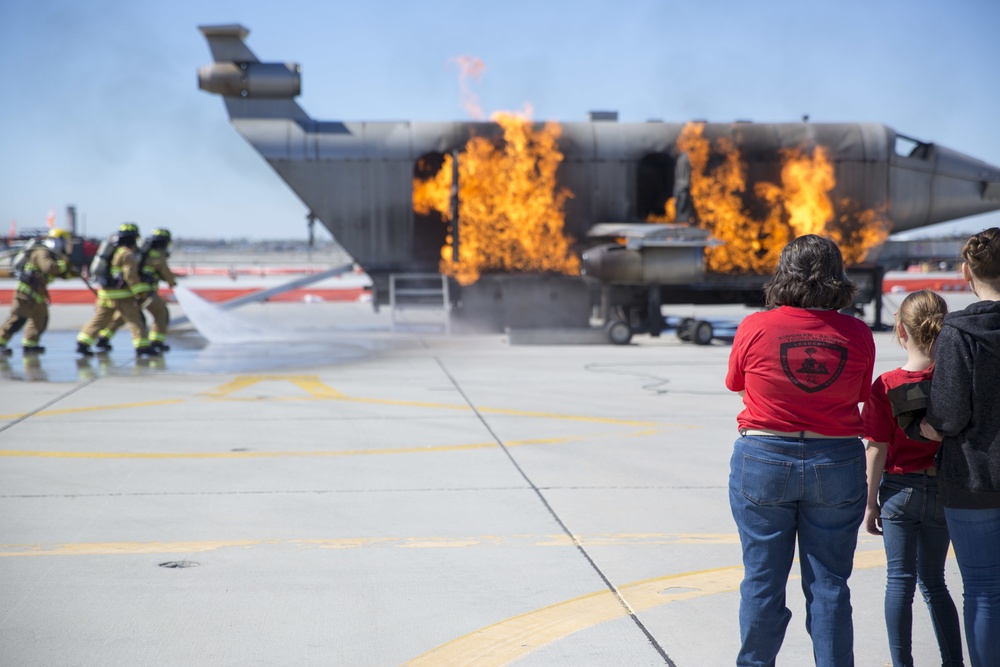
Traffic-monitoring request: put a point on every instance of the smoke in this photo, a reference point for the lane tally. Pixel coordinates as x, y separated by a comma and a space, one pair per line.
470, 67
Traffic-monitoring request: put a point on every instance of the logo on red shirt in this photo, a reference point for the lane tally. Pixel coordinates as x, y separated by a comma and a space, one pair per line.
813, 365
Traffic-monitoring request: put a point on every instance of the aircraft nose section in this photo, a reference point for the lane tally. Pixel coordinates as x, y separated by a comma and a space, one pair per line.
963, 186
932, 183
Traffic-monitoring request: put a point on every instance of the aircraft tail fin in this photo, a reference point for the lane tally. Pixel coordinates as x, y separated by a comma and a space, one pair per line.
251, 89
226, 43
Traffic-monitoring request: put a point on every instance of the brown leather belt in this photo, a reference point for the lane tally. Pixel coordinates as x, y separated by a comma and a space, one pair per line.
787, 434
929, 472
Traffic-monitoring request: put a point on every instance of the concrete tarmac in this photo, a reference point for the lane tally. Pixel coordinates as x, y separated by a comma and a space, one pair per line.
360, 498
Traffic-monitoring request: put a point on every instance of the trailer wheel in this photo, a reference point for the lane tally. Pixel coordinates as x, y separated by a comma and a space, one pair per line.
702, 333
619, 332
684, 329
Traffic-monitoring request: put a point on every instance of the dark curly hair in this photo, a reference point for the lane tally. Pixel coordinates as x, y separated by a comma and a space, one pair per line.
810, 274
982, 253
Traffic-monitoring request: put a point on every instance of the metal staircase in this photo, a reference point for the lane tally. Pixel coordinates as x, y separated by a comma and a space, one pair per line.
418, 301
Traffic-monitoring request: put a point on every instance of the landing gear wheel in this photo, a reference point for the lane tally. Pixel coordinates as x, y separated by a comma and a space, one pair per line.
684, 329
702, 333
619, 332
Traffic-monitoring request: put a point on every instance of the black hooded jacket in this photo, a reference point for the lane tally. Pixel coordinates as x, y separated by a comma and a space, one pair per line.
964, 407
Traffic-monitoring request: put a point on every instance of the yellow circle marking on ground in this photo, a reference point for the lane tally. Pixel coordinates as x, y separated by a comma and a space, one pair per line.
513, 638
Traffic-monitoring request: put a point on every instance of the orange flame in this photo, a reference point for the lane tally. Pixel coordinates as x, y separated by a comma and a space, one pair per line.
434, 194
718, 202
799, 205
858, 232
806, 182
511, 213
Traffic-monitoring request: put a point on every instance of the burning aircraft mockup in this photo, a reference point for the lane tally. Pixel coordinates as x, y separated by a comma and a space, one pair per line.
662, 212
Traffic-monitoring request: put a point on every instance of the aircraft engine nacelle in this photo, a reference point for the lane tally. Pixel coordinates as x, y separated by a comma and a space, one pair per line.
248, 79
675, 263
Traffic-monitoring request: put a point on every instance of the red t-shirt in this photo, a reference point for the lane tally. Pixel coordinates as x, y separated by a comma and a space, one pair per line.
903, 455
802, 370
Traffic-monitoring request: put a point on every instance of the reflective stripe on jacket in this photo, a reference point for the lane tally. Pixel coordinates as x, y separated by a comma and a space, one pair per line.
43, 266
124, 275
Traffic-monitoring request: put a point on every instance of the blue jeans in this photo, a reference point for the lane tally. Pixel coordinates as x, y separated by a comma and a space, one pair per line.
916, 546
814, 490
976, 536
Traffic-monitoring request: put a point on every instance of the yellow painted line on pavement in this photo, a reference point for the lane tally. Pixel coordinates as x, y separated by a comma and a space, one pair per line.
121, 548
383, 451
308, 383
230, 455
582, 418
626, 539
315, 389
293, 454
95, 408
429, 542
320, 391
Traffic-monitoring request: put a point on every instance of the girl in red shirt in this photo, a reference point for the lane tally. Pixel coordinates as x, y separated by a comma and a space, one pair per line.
903, 503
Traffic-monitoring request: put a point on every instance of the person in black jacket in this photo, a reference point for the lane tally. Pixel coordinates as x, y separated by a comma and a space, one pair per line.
964, 414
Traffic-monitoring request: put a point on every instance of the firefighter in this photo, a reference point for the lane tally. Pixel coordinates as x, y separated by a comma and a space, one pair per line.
43, 260
153, 268
119, 284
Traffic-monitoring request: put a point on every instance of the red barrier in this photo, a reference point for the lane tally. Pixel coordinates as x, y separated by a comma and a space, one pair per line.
80, 295
931, 283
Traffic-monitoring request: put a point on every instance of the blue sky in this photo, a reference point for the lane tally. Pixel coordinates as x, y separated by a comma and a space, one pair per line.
101, 107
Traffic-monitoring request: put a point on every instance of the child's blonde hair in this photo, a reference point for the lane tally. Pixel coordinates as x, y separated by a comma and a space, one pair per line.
922, 313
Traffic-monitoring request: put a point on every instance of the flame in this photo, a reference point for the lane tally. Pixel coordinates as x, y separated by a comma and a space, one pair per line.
433, 194
511, 213
799, 205
859, 232
718, 202
806, 181
669, 213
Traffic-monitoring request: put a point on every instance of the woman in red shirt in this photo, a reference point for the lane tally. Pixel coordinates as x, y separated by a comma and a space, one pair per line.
798, 468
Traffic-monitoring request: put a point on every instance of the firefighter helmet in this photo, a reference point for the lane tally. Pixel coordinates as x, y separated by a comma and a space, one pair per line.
161, 238
128, 234
60, 241
128, 229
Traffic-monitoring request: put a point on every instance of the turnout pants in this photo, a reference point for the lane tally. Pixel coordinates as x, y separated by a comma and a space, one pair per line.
106, 309
155, 306
25, 310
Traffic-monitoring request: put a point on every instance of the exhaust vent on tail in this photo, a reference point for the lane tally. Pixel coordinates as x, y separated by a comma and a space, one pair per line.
253, 79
